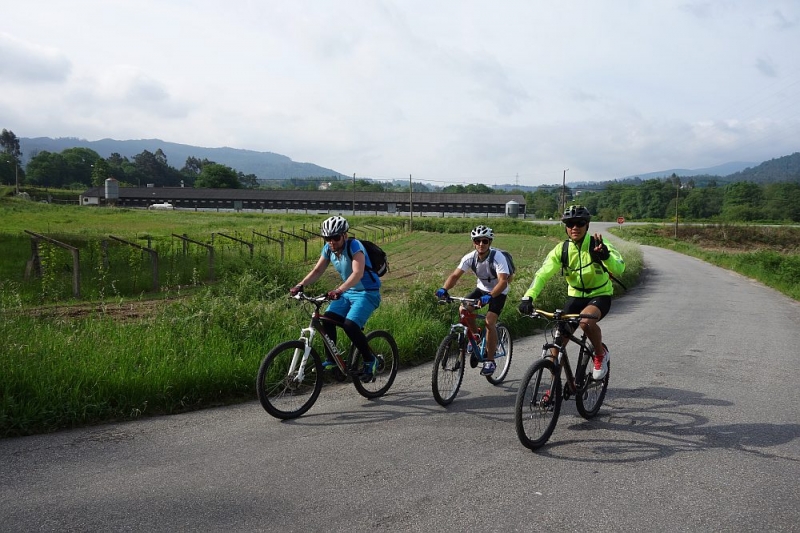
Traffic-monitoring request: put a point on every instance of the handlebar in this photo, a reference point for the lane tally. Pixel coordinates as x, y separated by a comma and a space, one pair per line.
472, 302
558, 314
318, 300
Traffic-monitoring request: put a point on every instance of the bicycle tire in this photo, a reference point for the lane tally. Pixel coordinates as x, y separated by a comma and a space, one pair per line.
384, 347
591, 393
448, 370
502, 357
535, 414
278, 391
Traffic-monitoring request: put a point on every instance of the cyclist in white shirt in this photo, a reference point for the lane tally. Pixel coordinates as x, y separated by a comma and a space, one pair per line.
491, 289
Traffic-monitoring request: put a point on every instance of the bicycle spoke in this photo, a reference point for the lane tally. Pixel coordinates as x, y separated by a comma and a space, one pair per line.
448, 370
383, 345
287, 392
538, 404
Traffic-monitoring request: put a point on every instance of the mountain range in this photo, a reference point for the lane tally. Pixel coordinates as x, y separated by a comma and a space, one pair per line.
264, 165
271, 166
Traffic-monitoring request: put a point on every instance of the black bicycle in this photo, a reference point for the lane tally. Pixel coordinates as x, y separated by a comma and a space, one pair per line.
541, 391
290, 376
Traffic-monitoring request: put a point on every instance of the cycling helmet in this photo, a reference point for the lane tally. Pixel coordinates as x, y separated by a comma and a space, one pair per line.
576, 212
482, 231
334, 226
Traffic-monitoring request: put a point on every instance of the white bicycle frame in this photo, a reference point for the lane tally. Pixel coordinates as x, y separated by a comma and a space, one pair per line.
307, 335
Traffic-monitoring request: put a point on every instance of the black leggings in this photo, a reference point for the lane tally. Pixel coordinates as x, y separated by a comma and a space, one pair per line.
352, 330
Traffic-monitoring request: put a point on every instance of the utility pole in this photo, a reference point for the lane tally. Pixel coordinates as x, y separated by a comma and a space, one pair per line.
16, 172
677, 197
410, 204
564, 191
354, 194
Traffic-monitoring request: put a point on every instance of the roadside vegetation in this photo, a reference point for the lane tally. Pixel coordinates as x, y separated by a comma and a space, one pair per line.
75, 363
769, 254
69, 363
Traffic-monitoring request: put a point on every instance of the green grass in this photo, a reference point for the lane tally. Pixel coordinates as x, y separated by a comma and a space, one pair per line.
769, 254
63, 369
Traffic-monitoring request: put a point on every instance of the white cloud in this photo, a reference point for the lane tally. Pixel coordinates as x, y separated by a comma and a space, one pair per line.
460, 90
24, 62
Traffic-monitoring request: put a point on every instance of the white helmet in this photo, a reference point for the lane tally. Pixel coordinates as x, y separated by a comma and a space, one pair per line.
334, 226
482, 231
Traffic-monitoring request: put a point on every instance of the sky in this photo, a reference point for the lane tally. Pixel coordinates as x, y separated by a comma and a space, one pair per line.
529, 92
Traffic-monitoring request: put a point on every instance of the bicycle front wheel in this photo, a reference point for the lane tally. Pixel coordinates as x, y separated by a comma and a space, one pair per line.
538, 404
448, 370
383, 345
591, 393
502, 356
288, 384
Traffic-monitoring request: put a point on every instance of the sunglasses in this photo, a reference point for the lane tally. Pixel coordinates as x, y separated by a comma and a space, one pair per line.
333, 238
573, 223
481, 241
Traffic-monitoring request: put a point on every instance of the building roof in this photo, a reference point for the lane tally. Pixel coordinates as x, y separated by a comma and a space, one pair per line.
162, 194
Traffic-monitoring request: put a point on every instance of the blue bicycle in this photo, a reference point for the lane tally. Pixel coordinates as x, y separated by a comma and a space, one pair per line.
448, 367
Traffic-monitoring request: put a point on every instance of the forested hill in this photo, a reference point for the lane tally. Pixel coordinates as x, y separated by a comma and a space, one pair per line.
786, 168
265, 165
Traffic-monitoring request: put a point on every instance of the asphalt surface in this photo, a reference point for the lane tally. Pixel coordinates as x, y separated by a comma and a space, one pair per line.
699, 432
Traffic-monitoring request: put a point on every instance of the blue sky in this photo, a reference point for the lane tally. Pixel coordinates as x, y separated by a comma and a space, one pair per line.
446, 91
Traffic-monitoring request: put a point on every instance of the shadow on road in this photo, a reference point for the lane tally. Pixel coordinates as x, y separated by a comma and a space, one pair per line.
662, 422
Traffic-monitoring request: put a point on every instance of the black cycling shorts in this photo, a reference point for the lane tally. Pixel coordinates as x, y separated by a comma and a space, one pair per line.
496, 304
576, 305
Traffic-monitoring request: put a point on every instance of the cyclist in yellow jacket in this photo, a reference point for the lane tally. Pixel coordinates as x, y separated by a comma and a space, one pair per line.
586, 267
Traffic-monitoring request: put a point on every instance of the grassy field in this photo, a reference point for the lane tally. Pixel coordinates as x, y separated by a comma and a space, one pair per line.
769, 254
117, 357
76, 363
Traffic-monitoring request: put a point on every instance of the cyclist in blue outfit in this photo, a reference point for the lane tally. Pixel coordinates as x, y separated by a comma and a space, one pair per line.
492, 287
356, 298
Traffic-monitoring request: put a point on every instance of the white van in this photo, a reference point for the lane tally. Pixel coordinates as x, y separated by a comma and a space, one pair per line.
164, 205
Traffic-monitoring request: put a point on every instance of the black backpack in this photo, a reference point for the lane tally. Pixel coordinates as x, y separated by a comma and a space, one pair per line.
492, 269
377, 257
565, 260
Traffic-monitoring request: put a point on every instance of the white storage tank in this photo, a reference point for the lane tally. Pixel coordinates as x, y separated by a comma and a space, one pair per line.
112, 190
512, 209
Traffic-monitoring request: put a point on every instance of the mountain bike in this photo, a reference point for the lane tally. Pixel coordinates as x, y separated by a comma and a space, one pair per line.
448, 366
541, 391
291, 375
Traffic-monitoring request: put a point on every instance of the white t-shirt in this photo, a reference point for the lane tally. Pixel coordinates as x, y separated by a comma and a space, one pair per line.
486, 282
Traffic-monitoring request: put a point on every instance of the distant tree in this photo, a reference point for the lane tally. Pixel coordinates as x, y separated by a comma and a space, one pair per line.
249, 181
101, 171
10, 144
154, 169
542, 203
124, 171
742, 201
11, 170
161, 157
194, 165
79, 163
216, 176
47, 169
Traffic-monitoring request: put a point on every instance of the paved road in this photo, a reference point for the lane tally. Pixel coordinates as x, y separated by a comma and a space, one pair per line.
700, 432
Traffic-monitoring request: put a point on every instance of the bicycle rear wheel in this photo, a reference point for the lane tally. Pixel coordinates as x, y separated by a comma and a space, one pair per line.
285, 394
384, 347
538, 404
448, 370
591, 393
502, 356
